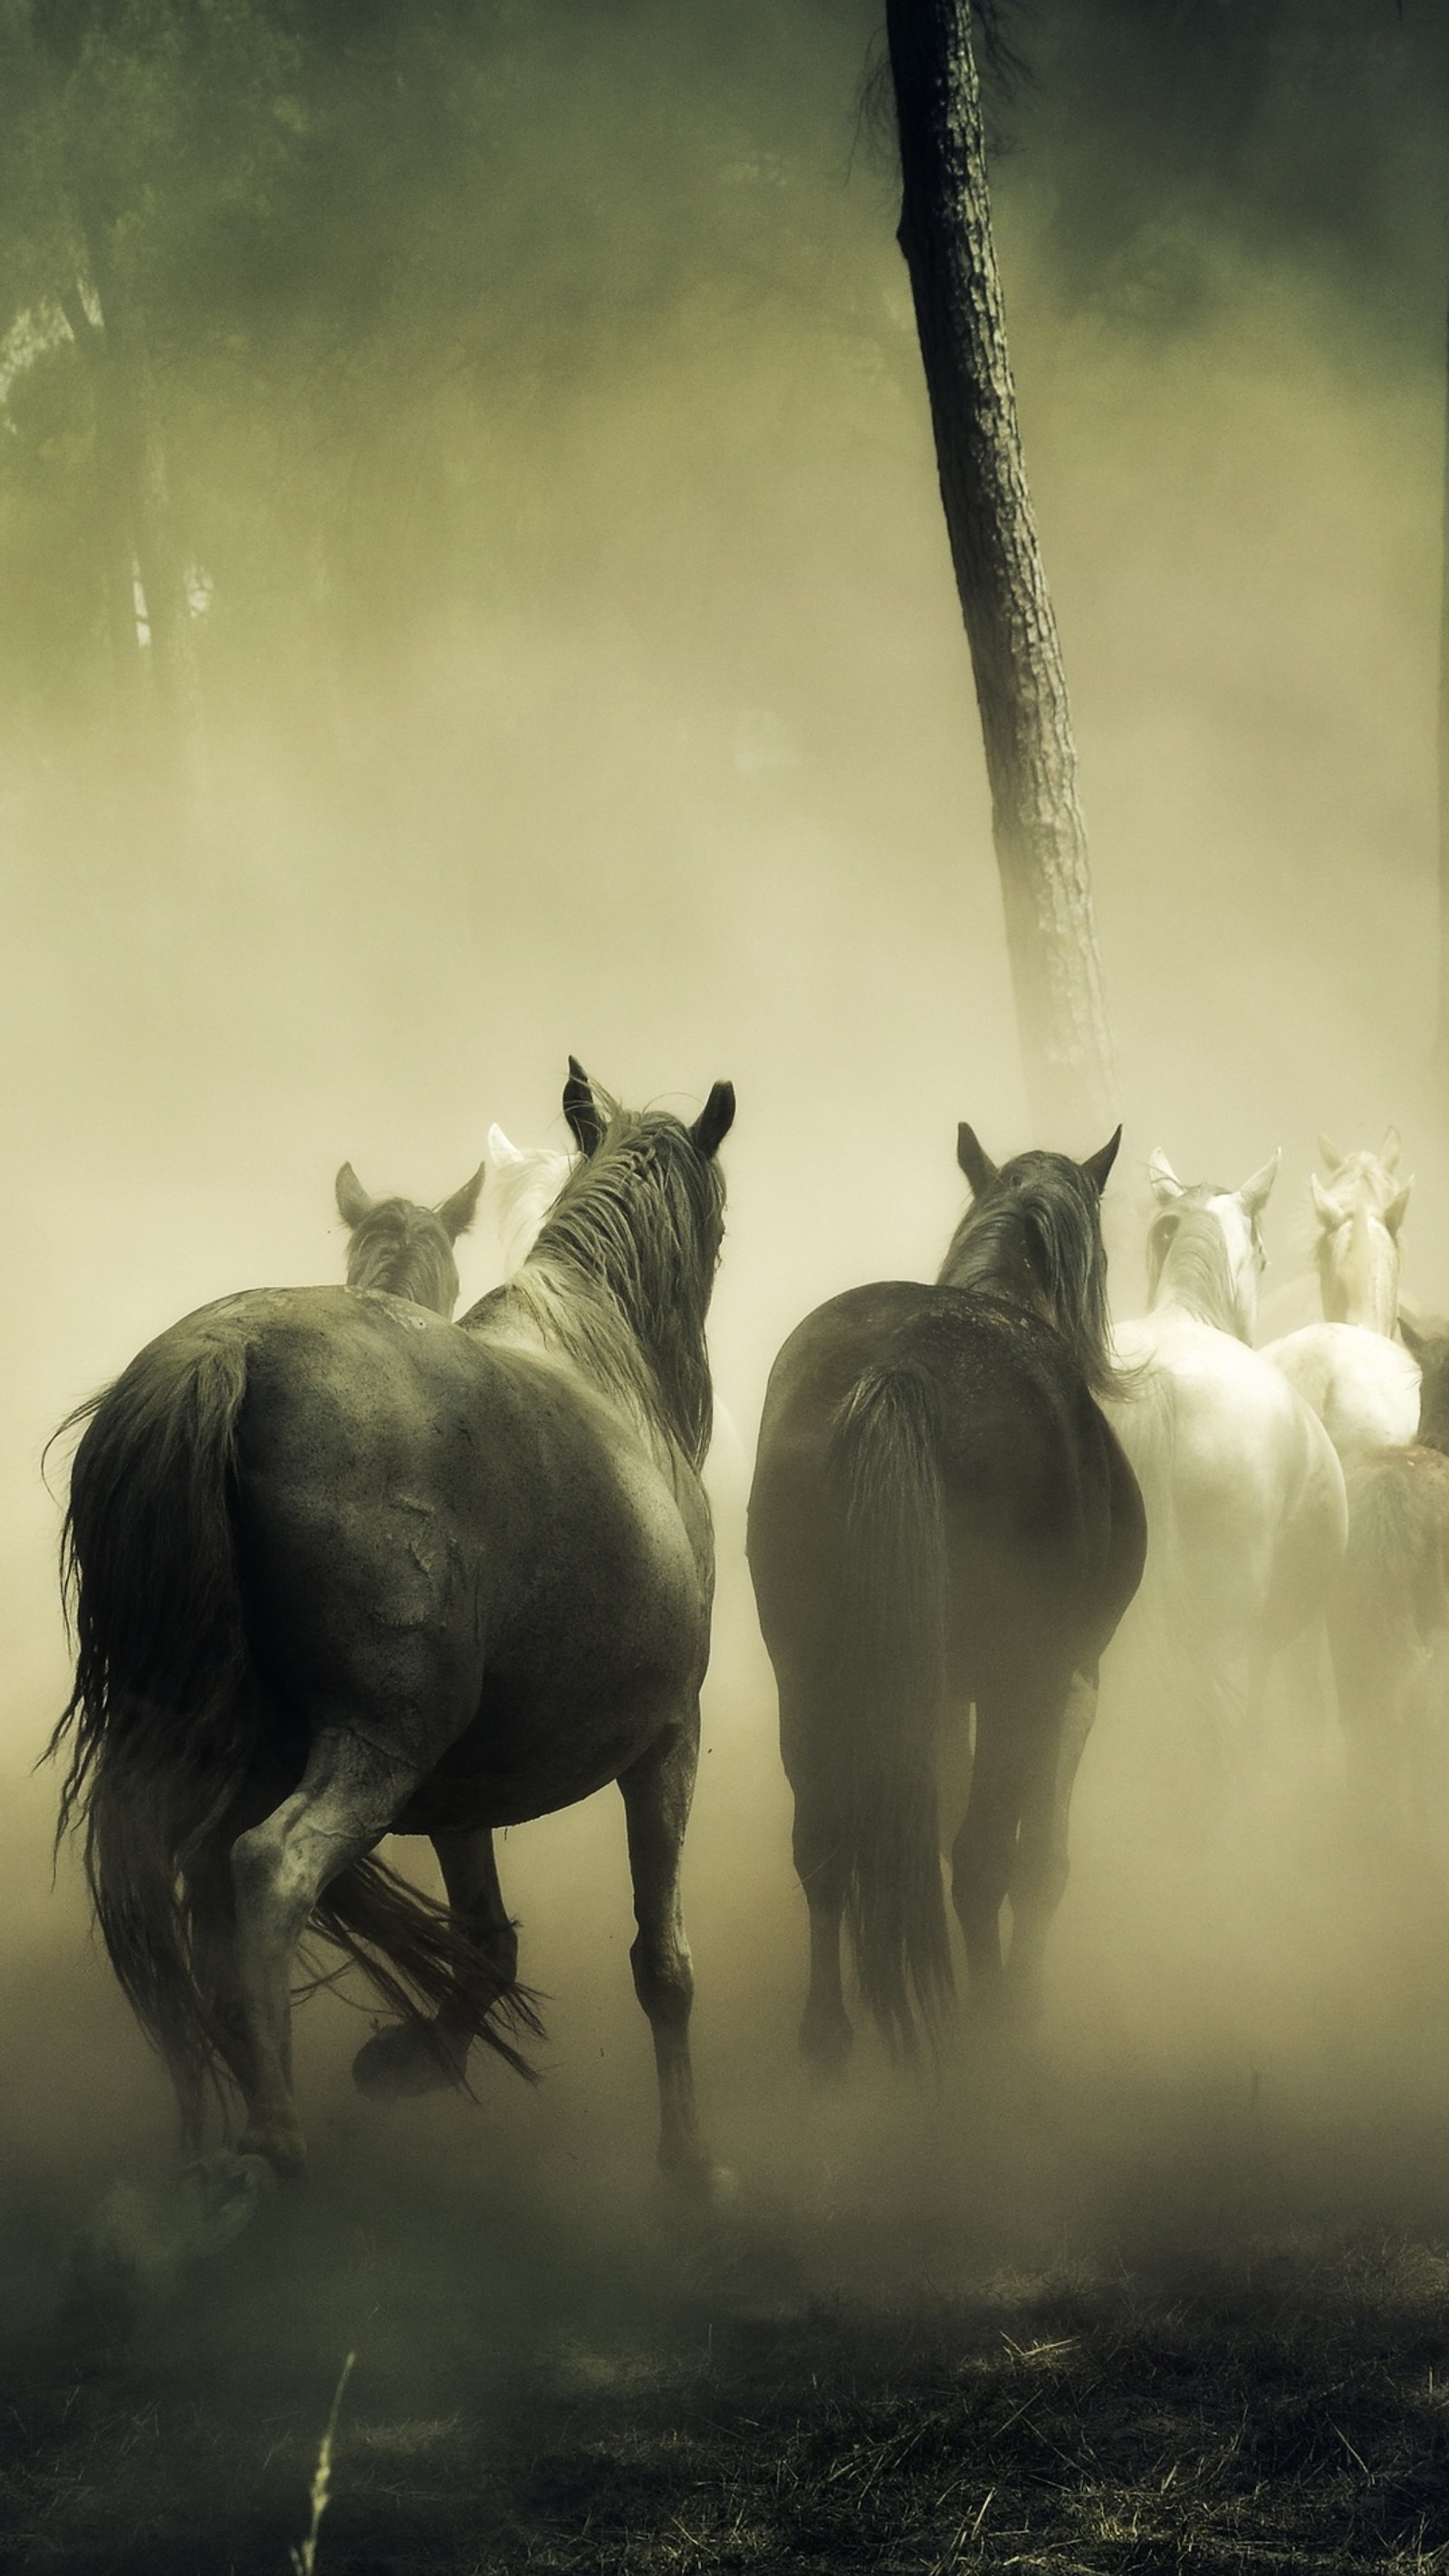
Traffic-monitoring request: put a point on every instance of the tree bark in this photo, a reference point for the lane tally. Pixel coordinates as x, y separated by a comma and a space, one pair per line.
1441, 1034
1031, 762
131, 468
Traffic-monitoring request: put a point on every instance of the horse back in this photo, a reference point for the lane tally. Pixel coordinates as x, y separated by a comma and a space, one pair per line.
416, 1504
1044, 1520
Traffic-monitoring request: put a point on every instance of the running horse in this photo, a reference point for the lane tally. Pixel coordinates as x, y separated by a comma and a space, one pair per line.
1244, 1490
1361, 1382
942, 1516
339, 1568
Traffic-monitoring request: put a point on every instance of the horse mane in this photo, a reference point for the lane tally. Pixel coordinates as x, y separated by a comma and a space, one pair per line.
1202, 1278
406, 1251
1034, 1237
620, 1274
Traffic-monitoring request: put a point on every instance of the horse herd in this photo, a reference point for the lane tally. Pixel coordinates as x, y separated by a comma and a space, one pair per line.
338, 1566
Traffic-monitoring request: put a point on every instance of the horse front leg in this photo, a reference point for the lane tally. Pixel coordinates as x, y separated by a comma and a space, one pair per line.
657, 1792
411, 2059
344, 1804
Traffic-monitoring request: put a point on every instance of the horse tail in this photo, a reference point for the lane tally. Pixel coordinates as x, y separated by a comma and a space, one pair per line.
889, 1688
418, 1958
166, 1725
161, 1727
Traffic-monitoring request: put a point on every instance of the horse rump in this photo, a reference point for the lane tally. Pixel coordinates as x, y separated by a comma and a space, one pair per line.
169, 1734
888, 1694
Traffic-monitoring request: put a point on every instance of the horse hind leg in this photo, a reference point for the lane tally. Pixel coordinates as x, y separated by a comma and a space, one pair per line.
984, 1849
657, 1793
346, 1800
412, 2058
1039, 1869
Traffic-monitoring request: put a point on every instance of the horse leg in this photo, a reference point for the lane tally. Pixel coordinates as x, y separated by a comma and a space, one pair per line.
1039, 1870
984, 1849
826, 2037
657, 1791
347, 1798
212, 1908
408, 2059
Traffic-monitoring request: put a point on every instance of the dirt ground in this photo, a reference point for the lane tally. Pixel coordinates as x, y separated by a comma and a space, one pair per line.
1026, 2315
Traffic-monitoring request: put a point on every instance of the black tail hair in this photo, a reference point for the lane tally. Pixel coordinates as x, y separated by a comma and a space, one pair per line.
166, 1725
889, 1692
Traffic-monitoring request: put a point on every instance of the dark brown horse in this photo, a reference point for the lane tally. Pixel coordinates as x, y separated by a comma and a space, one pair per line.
401, 1248
940, 1517
340, 1568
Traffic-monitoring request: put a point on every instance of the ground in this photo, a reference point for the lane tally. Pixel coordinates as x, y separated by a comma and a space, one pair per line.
556, 2372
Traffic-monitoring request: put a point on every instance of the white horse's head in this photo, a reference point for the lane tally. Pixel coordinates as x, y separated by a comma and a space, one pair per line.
526, 1181
1360, 1209
1205, 1247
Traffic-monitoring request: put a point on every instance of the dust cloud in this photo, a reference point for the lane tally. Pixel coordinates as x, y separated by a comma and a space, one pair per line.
649, 735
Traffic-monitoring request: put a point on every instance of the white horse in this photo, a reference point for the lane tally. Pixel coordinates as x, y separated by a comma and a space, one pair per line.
1360, 1381
526, 1181
1246, 1516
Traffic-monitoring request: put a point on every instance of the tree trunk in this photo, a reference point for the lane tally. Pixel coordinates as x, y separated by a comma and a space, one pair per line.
1031, 761
118, 565
1441, 1035
131, 467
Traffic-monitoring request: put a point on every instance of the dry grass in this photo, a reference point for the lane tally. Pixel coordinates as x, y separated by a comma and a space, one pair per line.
1285, 2407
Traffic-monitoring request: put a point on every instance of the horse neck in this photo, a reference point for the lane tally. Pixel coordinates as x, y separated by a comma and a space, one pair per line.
990, 1256
1362, 1287
418, 1264
629, 1315
1197, 1279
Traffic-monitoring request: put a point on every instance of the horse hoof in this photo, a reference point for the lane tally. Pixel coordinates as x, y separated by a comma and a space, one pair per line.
225, 2192
397, 2064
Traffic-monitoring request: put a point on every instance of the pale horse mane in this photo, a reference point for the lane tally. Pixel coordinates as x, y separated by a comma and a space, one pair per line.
1191, 1264
526, 1181
1359, 1212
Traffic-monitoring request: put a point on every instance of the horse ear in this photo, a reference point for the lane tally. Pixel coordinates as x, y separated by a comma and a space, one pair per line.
1391, 1148
714, 1122
1098, 1165
1413, 1341
1254, 1193
1328, 1213
353, 1203
457, 1213
581, 1110
500, 1152
1397, 1209
1330, 1153
1165, 1184
977, 1165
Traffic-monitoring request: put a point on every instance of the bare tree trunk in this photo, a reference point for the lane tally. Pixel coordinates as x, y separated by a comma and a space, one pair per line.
1441, 1034
118, 564
1031, 761
131, 468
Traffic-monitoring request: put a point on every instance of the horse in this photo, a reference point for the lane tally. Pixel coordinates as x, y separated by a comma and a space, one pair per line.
1244, 1492
526, 1181
340, 1568
1389, 1619
1360, 1381
941, 1516
402, 1249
